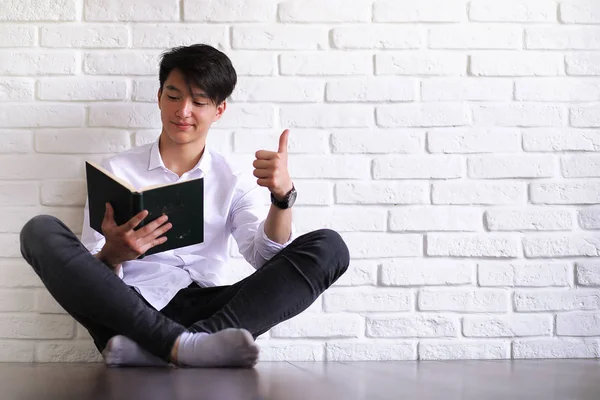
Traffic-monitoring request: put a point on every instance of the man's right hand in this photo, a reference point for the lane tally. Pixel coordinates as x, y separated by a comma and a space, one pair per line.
123, 243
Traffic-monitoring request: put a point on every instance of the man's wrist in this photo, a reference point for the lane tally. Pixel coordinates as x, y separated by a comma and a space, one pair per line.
102, 257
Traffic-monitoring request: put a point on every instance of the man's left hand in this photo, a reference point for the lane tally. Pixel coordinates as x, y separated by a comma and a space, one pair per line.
271, 168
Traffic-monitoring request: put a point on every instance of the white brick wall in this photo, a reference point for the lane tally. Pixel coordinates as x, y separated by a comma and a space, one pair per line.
452, 143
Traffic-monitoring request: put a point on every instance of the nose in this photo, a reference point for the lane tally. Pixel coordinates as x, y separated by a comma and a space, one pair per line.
185, 109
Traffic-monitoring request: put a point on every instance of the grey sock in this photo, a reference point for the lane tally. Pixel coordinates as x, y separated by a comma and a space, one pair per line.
124, 352
227, 348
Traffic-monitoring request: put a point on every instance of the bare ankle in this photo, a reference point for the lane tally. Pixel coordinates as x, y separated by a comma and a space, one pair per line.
173, 356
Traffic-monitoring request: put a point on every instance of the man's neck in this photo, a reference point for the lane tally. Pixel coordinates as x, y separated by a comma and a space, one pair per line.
180, 158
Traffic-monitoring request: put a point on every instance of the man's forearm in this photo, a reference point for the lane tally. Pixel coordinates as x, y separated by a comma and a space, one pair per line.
278, 225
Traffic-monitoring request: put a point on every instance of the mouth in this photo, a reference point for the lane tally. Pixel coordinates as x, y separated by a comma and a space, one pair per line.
182, 126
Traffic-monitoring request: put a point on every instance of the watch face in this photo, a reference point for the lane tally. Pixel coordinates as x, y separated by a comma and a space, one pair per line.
292, 199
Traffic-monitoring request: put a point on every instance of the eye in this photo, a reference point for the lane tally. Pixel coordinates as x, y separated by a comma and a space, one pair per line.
200, 104
172, 98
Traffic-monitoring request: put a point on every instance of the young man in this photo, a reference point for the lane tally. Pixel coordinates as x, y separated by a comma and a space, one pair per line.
169, 307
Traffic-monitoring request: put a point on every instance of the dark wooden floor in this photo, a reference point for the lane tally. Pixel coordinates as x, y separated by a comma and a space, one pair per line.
531, 379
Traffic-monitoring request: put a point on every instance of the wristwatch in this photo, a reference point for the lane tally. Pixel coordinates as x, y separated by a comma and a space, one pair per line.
288, 200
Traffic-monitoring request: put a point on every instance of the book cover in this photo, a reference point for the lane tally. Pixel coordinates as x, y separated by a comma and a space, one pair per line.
182, 202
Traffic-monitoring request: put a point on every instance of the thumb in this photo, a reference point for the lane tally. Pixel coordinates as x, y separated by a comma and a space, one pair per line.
109, 215
283, 141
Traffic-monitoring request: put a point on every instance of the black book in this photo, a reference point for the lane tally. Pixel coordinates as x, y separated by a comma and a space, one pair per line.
182, 202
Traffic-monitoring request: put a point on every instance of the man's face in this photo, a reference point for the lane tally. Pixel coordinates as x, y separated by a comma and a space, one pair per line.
186, 117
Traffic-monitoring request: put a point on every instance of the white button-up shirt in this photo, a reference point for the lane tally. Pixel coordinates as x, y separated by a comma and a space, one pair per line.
233, 205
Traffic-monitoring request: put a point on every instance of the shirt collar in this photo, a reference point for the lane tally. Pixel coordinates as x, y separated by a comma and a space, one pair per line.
157, 162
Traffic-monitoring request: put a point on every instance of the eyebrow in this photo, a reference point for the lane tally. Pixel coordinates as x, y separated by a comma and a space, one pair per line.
196, 94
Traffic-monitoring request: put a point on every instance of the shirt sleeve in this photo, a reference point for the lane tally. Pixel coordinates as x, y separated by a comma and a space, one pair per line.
248, 229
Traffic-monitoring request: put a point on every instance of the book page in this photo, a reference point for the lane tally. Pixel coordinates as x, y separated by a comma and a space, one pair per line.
116, 178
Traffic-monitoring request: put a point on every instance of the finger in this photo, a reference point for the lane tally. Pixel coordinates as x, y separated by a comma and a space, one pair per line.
135, 220
259, 164
262, 173
266, 155
157, 233
283, 142
266, 182
152, 226
109, 215
152, 243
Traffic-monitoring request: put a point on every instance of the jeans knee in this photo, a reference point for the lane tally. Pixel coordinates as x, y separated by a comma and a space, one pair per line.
37, 227
334, 244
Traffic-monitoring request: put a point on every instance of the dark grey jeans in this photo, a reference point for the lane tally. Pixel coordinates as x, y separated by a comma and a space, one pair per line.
98, 299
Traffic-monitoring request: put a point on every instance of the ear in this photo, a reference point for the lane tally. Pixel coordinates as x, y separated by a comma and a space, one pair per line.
220, 110
158, 97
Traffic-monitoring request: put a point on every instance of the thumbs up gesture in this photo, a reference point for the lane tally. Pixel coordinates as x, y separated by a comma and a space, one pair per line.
271, 168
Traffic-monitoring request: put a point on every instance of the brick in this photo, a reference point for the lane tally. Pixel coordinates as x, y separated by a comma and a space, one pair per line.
253, 63
589, 218
15, 217
359, 273
421, 63
15, 141
290, 37
464, 350
475, 37
330, 167
488, 193
229, 10
148, 136
376, 37
45, 303
553, 89
16, 351
370, 141
585, 116
579, 12
459, 89
372, 245
278, 90
508, 326
578, 324
325, 63
276, 350
423, 11
32, 115
473, 245
562, 38
67, 352
514, 63
326, 116
36, 326
463, 300
300, 141
425, 273
562, 246
63, 193
511, 166
371, 350
423, 115
131, 10
17, 36
16, 89
565, 193
36, 167
19, 193
435, 218
555, 348
9, 246
145, 90
525, 274
473, 140
16, 273
581, 166
518, 114
418, 167
561, 139
16, 300
368, 90
124, 115
373, 192
121, 63
412, 326
582, 64
588, 273
247, 116
84, 36
512, 11
319, 326
172, 35
77, 89
341, 219
556, 300
82, 141
314, 193
32, 10
368, 300
331, 11
27, 63
529, 220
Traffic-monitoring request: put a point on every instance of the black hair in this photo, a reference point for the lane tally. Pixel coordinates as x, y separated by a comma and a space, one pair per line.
203, 66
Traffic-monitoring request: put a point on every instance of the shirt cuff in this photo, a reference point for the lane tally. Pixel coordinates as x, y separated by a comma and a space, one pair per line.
265, 246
